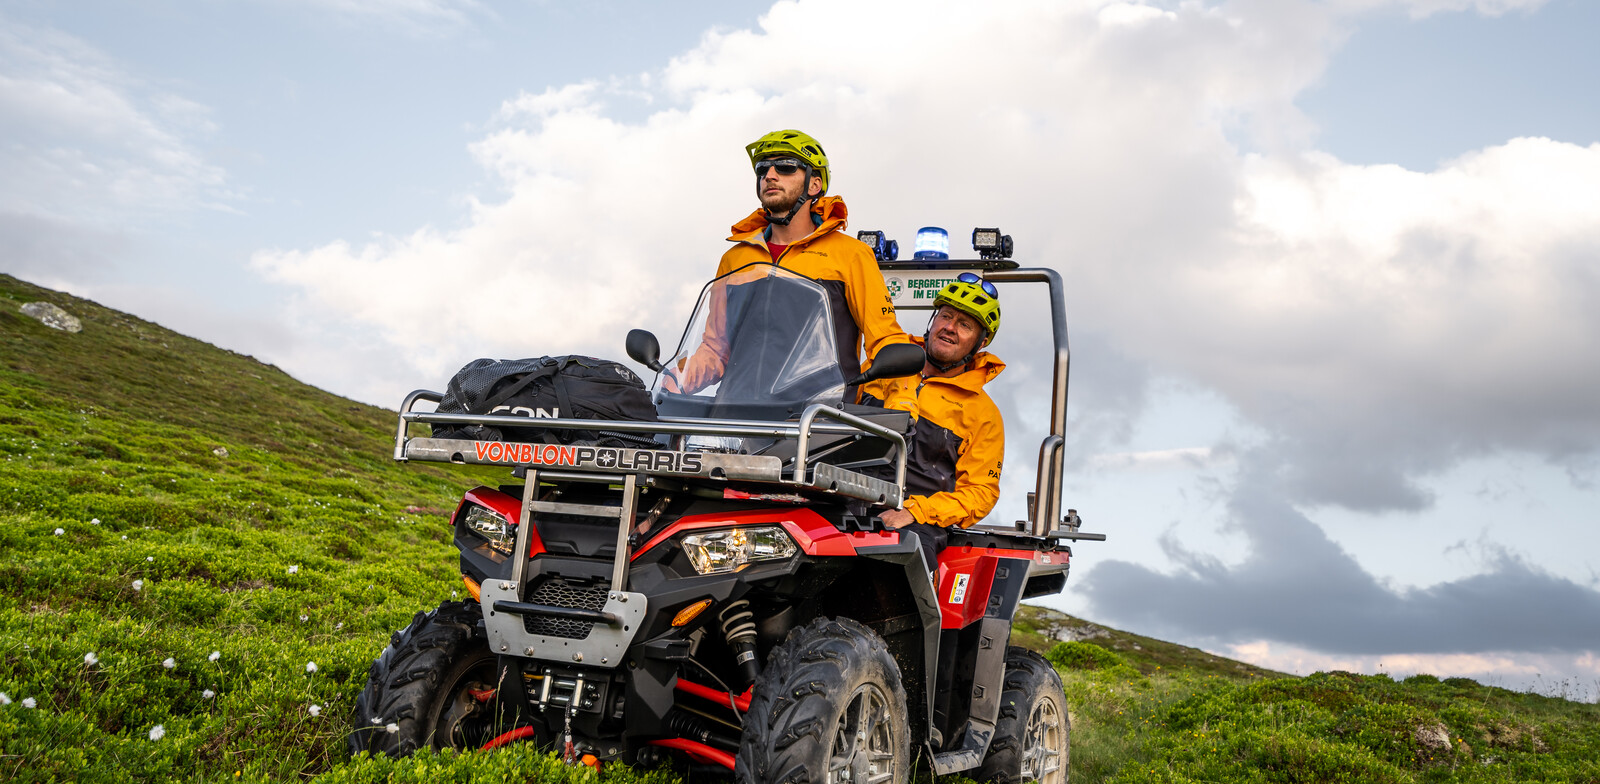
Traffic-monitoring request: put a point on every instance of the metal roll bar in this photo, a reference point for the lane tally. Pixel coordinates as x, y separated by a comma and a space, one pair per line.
1047, 492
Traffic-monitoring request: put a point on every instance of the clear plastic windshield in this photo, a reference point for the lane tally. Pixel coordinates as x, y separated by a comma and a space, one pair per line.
760, 345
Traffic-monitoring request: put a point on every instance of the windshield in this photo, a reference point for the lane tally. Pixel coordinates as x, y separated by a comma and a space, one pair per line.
760, 345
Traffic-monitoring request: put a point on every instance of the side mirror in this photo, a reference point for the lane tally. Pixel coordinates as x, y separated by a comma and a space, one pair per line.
894, 361
644, 349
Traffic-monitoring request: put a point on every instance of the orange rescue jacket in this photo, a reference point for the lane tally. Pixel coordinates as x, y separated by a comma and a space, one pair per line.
953, 468
832, 257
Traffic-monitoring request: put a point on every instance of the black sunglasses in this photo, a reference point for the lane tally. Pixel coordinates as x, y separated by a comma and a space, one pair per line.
988, 288
784, 166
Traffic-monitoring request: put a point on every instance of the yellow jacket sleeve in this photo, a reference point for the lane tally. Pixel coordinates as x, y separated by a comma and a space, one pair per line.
872, 307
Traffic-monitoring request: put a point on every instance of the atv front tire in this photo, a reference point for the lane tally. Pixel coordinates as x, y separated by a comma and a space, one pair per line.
830, 707
429, 687
1033, 735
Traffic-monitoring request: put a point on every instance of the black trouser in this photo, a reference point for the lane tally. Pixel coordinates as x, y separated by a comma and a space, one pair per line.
933, 539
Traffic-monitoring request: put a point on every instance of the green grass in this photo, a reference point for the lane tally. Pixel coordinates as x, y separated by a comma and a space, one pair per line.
1327, 727
208, 503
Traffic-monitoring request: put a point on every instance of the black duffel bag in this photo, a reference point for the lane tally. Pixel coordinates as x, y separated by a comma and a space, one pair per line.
570, 387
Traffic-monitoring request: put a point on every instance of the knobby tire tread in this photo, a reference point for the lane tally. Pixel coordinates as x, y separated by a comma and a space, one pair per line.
799, 695
402, 683
1028, 676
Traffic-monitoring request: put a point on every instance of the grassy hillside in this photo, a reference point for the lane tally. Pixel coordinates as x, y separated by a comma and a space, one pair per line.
185, 531
1147, 711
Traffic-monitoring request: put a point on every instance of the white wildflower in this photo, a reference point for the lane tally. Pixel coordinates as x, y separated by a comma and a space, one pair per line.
158, 732
338, 626
29, 702
138, 585
304, 618
170, 663
95, 521
315, 710
208, 694
5, 699
90, 658
215, 655
311, 666
392, 728
294, 569
60, 531
124, 537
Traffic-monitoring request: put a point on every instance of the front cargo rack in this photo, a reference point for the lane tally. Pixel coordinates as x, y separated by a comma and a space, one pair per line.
552, 459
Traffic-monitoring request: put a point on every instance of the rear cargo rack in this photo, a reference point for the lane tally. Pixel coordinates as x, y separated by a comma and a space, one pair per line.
554, 460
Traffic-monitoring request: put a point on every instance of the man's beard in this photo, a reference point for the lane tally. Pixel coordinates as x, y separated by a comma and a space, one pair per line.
779, 204
943, 353
935, 349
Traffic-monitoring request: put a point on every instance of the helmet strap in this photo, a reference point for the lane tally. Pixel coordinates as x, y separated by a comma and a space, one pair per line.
805, 198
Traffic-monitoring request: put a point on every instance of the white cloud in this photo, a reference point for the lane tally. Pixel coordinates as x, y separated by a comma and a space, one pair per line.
1418, 9
1131, 14
1429, 316
90, 142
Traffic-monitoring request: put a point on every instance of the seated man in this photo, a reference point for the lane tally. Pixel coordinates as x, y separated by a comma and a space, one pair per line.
953, 465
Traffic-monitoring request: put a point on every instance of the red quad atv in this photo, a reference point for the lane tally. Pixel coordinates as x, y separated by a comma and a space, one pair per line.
731, 599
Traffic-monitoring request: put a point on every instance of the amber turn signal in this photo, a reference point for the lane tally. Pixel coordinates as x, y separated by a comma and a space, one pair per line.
691, 612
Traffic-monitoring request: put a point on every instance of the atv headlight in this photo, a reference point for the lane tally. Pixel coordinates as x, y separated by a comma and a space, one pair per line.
492, 527
730, 550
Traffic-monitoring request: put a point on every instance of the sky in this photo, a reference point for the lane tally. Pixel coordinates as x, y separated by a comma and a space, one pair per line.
1330, 266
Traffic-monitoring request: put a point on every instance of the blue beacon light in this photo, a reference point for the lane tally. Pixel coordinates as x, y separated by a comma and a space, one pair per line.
932, 243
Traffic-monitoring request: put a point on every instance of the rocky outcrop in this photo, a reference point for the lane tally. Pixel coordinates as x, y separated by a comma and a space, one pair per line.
52, 316
1074, 632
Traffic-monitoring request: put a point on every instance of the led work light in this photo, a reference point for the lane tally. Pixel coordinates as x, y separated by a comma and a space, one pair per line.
883, 248
991, 244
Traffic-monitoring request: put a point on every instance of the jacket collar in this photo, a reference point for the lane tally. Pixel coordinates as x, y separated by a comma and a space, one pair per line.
831, 208
983, 368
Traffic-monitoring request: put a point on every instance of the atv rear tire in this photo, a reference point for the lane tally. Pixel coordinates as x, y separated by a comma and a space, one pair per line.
829, 708
422, 686
1032, 739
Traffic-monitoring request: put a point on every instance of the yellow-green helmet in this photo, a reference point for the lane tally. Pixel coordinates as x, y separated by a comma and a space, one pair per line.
975, 297
792, 143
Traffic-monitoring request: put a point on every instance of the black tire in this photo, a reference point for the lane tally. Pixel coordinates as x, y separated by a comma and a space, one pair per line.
422, 684
1032, 739
830, 707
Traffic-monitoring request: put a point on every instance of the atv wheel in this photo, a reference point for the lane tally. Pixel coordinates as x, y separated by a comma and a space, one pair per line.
431, 685
829, 708
1031, 739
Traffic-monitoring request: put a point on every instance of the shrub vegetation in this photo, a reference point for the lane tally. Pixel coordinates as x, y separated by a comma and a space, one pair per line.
201, 557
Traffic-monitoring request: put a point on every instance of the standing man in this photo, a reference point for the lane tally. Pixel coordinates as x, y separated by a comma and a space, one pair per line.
953, 469
801, 229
